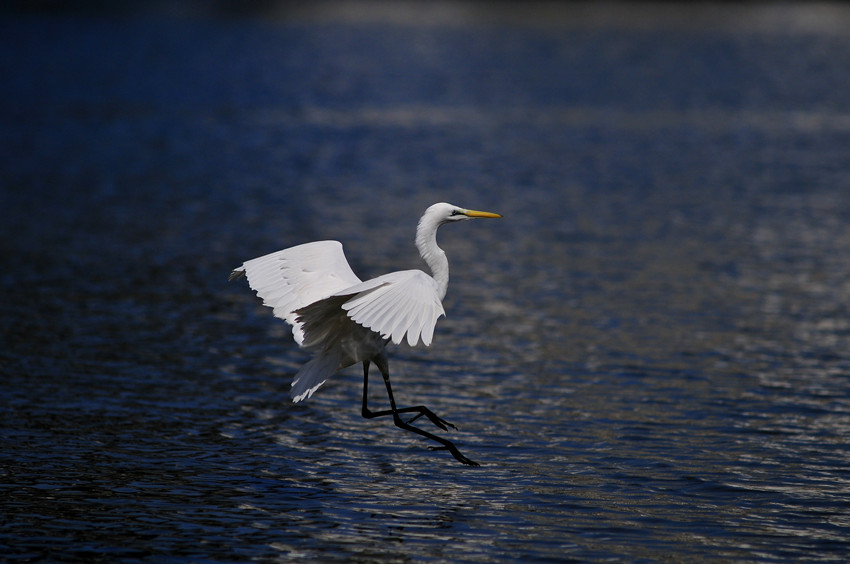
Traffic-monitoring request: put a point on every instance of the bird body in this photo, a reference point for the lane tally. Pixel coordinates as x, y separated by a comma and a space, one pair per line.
343, 320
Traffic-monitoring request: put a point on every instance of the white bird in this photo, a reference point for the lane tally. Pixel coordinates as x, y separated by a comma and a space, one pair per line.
342, 320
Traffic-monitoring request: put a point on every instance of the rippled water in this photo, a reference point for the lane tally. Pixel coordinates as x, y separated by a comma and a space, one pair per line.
648, 355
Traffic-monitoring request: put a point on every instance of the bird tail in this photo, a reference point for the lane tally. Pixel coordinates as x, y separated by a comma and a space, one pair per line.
313, 374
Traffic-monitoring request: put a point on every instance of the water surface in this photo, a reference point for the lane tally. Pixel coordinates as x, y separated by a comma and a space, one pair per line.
648, 355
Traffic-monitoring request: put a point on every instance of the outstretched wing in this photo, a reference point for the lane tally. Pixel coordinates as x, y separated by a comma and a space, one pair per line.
396, 304
298, 276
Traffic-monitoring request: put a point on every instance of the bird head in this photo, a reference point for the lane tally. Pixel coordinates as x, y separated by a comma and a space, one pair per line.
446, 213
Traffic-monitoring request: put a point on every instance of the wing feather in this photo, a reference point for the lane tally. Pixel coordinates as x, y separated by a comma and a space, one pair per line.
416, 328
395, 305
293, 278
404, 324
382, 315
429, 323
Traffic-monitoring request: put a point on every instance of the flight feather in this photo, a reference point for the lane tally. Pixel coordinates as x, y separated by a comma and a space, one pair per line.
298, 276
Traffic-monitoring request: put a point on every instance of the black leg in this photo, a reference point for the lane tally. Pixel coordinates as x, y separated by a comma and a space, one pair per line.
381, 362
419, 410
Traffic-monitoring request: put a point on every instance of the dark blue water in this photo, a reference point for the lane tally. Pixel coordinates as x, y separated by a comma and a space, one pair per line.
648, 355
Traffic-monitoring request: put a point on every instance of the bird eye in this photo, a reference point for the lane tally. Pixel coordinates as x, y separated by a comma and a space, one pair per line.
456, 212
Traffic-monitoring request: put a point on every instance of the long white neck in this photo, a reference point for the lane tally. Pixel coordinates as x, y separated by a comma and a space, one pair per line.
435, 258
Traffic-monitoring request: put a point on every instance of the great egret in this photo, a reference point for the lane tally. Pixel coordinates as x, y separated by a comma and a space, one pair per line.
343, 320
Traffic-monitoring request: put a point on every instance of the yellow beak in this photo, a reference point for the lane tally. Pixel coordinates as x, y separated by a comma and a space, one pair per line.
473, 213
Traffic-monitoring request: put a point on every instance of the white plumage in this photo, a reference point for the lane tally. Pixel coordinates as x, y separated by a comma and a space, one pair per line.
298, 276
396, 304
343, 320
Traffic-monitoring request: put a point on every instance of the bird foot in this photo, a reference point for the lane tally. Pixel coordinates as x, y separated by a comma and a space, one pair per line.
419, 410
436, 420
457, 454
